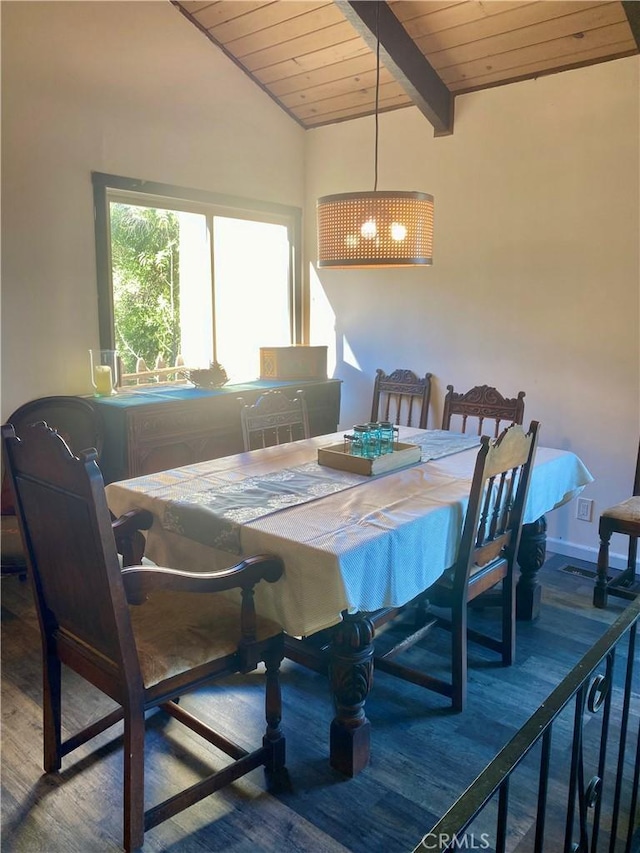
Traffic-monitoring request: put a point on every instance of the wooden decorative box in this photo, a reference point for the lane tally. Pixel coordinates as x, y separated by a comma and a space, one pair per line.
334, 456
293, 362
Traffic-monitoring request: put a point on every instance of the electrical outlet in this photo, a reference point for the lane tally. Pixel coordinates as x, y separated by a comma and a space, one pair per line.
584, 509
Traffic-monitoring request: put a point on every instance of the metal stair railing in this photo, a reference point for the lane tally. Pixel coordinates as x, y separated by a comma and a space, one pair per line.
596, 812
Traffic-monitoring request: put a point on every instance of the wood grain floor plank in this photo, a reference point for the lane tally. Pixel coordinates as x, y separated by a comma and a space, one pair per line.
423, 755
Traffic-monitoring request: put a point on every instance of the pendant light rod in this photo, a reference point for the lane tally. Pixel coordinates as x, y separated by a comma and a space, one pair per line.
375, 150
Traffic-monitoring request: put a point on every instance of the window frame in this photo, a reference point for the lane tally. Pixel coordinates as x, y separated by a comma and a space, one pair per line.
153, 194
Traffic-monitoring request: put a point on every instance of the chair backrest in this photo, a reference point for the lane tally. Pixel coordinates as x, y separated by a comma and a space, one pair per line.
71, 555
74, 418
401, 397
636, 479
493, 522
482, 403
274, 419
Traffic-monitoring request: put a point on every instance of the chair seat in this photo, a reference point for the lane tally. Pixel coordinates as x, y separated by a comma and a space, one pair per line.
627, 512
178, 631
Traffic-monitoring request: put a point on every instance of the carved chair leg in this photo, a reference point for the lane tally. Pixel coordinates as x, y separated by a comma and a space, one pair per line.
351, 675
52, 713
600, 589
273, 738
459, 656
629, 574
508, 620
133, 778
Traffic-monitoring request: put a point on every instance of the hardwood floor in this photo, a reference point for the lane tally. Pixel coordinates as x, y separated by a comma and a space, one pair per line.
423, 756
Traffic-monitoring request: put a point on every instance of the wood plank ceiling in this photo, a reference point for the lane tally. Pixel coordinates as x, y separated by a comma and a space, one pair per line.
317, 58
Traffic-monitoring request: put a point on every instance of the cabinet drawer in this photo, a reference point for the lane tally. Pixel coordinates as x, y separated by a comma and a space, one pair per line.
170, 422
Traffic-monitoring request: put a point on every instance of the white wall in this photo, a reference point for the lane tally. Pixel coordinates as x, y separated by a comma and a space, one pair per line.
127, 88
536, 278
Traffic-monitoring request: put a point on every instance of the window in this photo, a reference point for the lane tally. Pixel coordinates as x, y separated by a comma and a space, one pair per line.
189, 277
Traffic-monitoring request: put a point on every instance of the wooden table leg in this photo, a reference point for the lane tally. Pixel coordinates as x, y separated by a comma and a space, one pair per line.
531, 555
350, 676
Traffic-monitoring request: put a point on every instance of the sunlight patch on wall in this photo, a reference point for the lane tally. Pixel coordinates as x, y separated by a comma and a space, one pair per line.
348, 355
322, 320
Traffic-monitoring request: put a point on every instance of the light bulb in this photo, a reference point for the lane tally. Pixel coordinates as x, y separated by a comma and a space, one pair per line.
398, 231
369, 229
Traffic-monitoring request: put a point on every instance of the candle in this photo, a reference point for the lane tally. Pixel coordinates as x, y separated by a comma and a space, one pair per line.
103, 380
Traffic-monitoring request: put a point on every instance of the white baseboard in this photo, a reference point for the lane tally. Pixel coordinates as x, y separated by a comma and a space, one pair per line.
581, 552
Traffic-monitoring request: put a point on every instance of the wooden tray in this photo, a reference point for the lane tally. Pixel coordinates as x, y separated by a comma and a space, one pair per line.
334, 456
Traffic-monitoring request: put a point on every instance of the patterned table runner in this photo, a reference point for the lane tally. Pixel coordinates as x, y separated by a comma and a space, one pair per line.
438, 443
213, 515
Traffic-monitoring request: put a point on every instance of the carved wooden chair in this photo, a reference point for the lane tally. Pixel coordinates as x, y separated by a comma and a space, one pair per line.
80, 425
399, 396
145, 636
486, 558
274, 419
482, 403
622, 518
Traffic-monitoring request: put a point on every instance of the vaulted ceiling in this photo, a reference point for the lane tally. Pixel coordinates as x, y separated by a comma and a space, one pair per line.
317, 58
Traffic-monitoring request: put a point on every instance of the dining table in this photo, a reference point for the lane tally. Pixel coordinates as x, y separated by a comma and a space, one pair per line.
351, 543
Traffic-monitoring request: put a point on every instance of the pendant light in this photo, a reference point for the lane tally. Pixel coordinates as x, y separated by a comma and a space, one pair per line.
379, 228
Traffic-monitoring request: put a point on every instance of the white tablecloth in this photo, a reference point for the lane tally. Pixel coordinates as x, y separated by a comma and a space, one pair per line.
374, 545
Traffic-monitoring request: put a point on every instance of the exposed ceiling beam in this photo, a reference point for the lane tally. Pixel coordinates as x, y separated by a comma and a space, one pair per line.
403, 59
632, 11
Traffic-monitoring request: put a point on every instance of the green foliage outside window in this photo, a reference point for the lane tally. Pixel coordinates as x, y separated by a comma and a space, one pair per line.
146, 292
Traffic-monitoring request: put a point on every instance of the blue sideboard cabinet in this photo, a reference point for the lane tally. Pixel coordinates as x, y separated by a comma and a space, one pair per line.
152, 429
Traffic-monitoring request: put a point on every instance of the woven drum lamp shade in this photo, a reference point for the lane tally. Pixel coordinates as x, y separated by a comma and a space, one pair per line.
375, 229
